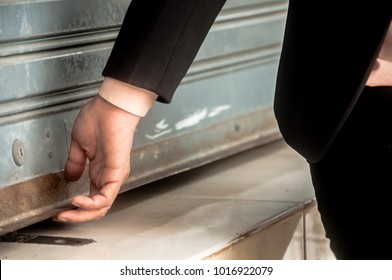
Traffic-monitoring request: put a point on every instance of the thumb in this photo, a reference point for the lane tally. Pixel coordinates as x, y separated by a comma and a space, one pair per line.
76, 162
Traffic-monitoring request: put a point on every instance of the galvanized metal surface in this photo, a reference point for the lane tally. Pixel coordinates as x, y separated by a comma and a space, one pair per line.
51, 57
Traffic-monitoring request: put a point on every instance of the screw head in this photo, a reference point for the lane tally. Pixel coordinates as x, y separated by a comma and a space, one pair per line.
18, 152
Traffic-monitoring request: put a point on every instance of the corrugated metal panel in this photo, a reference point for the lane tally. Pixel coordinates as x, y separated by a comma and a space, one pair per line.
51, 57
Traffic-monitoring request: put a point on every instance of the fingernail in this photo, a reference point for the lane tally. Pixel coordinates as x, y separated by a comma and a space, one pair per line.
75, 204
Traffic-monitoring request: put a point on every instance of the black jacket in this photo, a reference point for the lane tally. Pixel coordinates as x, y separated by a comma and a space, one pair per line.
328, 51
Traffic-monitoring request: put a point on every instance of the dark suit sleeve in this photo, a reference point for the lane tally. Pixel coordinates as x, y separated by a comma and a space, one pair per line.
158, 41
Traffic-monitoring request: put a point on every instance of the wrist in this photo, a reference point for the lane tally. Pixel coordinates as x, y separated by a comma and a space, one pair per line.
108, 114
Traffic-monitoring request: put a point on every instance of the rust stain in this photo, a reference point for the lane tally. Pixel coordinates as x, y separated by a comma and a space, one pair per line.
28, 202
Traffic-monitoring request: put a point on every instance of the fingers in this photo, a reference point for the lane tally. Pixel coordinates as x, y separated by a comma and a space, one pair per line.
90, 208
76, 162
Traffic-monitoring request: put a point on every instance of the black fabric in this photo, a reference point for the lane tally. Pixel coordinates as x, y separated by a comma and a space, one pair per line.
158, 41
328, 51
353, 181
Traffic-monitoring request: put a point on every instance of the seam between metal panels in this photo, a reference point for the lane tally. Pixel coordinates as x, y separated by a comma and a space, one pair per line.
58, 42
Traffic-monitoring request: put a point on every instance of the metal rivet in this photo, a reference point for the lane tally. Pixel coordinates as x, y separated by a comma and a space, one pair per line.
18, 152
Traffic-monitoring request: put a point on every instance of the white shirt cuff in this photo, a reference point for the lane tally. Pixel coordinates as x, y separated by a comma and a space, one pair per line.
132, 99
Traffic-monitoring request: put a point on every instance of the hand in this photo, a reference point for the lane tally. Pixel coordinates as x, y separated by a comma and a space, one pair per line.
102, 133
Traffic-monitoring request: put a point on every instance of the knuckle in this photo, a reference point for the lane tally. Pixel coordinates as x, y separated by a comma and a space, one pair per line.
127, 172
